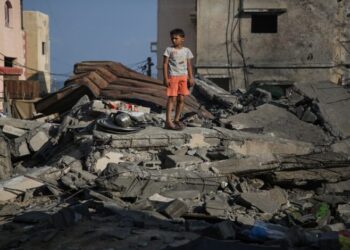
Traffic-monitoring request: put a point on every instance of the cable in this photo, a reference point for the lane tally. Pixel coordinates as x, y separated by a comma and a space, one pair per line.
228, 50
241, 49
26, 67
133, 65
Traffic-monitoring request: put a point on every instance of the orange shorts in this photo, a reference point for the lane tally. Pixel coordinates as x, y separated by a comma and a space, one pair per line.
178, 86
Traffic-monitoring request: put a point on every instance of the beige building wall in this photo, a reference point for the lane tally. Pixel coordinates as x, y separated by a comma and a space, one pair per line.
36, 26
12, 43
175, 14
305, 40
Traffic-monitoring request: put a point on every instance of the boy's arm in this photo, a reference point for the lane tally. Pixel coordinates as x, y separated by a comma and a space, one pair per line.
190, 72
165, 70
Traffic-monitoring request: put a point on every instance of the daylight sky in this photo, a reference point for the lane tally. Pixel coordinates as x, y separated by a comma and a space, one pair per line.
118, 30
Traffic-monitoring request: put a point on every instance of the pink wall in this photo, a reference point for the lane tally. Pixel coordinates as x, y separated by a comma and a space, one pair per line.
12, 39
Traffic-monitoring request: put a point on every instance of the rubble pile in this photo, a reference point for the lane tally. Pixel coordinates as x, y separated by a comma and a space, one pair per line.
268, 168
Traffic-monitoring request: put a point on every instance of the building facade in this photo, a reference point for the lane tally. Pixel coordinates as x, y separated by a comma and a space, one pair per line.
36, 26
12, 45
238, 42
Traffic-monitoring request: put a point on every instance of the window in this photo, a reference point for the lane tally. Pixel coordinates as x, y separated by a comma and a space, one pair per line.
9, 61
8, 13
222, 82
264, 23
43, 48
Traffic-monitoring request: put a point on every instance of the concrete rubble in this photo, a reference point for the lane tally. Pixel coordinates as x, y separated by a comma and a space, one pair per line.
265, 168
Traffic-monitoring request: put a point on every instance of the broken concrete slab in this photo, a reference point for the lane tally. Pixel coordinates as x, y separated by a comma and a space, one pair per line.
265, 147
158, 138
332, 101
21, 124
241, 166
179, 161
302, 177
175, 209
38, 140
5, 160
268, 201
216, 94
217, 207
277, 122
13, 131
11, 188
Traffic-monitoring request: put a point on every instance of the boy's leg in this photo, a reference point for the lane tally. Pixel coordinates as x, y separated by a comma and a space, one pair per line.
183, 91
179, 107
169, 109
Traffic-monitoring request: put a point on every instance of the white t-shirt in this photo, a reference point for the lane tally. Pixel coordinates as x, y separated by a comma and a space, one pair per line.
178, 60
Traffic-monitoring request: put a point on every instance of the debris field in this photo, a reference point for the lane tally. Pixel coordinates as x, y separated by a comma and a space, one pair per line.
262, 168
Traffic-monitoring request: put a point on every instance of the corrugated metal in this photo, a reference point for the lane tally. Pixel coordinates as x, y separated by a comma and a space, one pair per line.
24, 90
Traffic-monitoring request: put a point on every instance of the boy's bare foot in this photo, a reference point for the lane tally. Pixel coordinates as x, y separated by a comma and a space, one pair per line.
180, 124
172, 126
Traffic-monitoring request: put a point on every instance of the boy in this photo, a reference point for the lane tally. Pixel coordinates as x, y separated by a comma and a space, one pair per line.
177, 71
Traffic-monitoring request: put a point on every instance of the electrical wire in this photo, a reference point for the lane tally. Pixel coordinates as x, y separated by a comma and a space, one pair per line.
228, 49
26, 67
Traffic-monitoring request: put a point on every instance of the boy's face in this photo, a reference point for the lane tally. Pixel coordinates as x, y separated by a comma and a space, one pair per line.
177, 40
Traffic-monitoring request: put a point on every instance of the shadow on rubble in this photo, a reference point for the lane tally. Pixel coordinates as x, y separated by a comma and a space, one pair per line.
100, 225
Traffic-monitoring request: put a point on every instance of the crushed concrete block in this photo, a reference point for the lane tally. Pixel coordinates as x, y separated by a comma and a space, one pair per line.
110, 157
5, 160
175, 209
216, 207
10, 130
23, 149
38, 140
344, 211
268, 201
175, 161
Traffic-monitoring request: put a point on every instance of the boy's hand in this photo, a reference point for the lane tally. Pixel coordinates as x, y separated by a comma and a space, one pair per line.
166, 82
191, 81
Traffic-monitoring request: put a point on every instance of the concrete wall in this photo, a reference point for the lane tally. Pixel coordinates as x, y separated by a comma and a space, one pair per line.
11, 40
36, 26
175, 14
305, 48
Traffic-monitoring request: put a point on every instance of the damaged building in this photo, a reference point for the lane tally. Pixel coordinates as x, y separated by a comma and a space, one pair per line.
265, 168
239, 42
262, 163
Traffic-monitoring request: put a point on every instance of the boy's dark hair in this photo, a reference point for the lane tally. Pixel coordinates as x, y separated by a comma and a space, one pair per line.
177, 32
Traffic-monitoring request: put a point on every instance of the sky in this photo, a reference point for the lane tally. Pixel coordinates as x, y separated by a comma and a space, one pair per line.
117, 30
